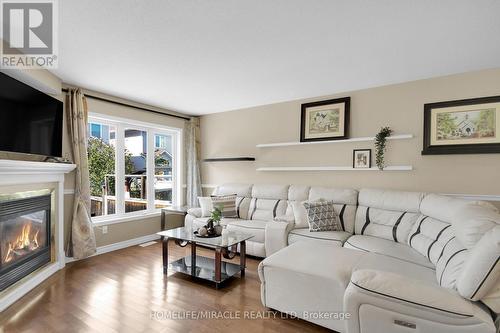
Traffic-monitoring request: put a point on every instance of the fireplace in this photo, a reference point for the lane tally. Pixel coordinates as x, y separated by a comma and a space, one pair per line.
25, 237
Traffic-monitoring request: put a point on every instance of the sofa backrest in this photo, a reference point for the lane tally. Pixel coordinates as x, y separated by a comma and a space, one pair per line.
448, 233
387, 214
241, 190
267, 202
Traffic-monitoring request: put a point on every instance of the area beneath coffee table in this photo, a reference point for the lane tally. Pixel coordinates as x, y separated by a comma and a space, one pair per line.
205, 268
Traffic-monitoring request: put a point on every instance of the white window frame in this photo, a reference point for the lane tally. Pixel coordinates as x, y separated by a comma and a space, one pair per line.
121, 124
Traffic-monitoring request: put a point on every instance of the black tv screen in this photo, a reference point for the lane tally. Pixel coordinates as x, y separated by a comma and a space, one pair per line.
30, 121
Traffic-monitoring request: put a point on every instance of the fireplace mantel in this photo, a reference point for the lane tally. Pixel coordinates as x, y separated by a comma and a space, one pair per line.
28, 173
13, 167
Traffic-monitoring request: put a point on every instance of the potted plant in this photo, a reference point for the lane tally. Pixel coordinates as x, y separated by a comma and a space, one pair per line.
215, 217
380, 141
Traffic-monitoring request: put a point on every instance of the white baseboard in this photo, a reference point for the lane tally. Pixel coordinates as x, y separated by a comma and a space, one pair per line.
120, 245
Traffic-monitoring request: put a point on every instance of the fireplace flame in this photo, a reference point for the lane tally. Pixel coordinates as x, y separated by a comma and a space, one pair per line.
25, 241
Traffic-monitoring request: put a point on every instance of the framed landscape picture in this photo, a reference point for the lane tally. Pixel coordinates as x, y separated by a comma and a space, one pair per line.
325, 120
362, 158
470, 126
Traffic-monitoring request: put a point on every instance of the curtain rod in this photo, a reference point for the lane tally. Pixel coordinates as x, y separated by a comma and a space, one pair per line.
130, 105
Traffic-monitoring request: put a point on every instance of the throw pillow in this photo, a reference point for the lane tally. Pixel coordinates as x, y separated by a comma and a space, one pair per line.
206, 206
227, 204
321, 216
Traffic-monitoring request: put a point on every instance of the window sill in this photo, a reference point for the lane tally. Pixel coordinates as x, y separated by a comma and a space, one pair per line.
130, 217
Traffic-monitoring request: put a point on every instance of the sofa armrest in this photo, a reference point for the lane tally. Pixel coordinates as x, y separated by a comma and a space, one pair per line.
417, 302
276, 235
195, 211
192, 214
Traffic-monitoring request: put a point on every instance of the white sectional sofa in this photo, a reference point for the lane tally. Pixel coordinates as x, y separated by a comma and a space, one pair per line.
404, 261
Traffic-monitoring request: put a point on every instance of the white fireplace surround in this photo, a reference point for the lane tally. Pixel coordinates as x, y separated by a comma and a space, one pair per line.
25, 173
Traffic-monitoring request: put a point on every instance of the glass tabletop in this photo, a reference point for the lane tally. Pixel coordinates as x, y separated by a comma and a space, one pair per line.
228, 238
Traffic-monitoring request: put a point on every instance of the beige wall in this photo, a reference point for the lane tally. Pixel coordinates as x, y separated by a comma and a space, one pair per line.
127, 230
400, 106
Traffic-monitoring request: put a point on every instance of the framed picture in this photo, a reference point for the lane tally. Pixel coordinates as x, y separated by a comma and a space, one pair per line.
469, 126
325, 120
362, 159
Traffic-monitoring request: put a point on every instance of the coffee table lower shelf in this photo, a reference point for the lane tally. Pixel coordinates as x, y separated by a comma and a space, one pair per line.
205, 269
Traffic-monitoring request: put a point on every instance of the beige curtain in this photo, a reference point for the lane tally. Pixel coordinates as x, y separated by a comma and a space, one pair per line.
81, 242
193, 178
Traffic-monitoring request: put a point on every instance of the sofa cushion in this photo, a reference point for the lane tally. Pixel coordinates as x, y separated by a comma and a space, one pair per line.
303, 234
450, 263
298, 192
436, 240
387, 214
270, 191
315, 260
391, 200
255, 228
447, 230
242, 207
308, 277
345, 201
400, 289
266, 209
387, 224
429, 236
388, 248
481, 272
382, 262
470, 219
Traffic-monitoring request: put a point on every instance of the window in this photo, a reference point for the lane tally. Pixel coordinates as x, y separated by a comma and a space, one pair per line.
101, 151
143, 157
163, 170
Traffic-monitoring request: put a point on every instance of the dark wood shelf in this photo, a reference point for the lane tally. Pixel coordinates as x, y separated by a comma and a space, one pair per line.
229, 159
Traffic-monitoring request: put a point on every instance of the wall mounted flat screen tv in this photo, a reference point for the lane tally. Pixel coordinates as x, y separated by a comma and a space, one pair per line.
30, 120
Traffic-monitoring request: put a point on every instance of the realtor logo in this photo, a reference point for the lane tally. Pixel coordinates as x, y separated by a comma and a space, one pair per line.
29, 37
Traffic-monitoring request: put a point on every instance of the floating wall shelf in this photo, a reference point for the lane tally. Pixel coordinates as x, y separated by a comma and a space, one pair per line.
336, 168
360, 139
229, 159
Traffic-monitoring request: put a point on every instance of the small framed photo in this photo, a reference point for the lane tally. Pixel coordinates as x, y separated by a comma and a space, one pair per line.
362, 159
325, 120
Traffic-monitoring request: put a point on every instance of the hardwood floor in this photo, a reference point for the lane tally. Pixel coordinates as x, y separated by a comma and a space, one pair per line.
126, 291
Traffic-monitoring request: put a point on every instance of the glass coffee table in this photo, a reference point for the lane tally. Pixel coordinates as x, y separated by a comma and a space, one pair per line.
213, 270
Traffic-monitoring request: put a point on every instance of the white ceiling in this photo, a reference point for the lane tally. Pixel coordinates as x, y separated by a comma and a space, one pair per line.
202, 56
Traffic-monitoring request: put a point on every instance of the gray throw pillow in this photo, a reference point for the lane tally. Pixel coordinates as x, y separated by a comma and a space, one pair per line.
321, 216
